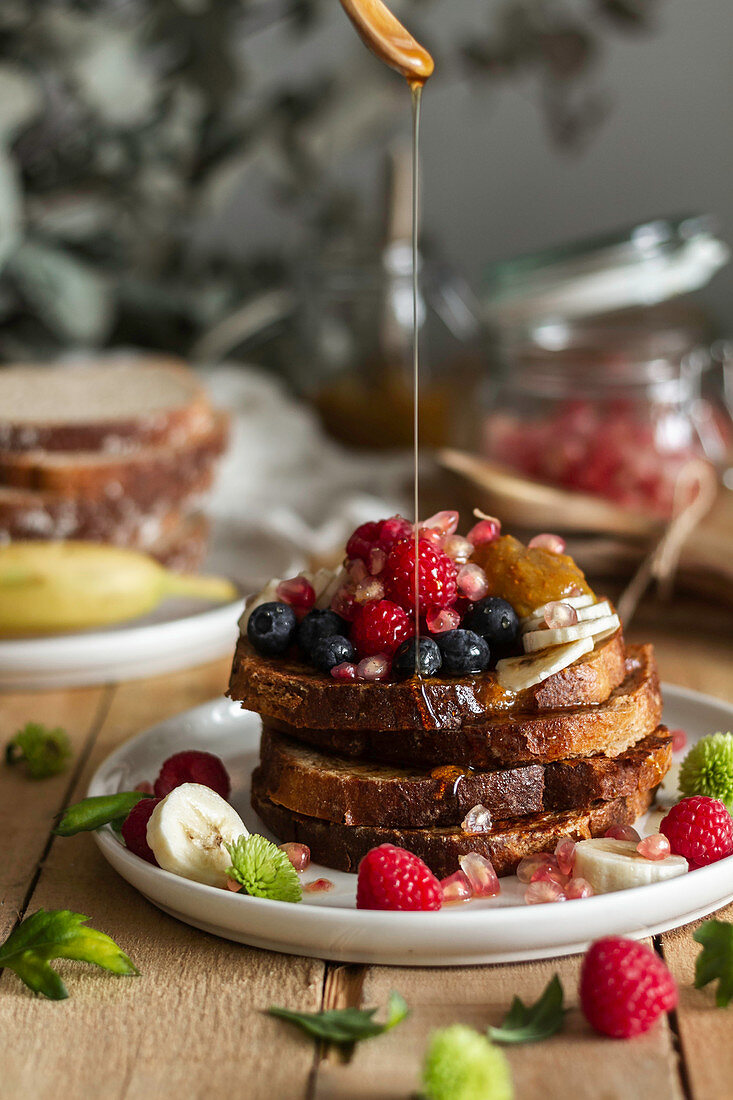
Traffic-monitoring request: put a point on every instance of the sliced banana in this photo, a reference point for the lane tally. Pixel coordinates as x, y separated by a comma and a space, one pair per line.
188, 830
518, 673
571, 601
585, 614
326, 583
267, 595
610, 865
542, 639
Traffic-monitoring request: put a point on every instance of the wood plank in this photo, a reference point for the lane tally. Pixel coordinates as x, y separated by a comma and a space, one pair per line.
576, 1063
28, 807
191, 1025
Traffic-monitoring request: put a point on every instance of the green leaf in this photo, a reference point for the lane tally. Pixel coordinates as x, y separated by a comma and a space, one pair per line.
715, 961
346, 1025
532, 1023
44, 752
58, 934
92, 813
263, 869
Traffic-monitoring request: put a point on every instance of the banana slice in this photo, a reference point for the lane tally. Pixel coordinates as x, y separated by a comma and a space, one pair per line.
518, 673
571, 601
267, 595
326, 583
611, 865
187, 832
585, 614
542, 639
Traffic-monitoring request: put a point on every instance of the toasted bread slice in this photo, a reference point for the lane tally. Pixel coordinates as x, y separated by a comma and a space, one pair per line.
343, 846
333, 788
289, 691
632, 711
120, 403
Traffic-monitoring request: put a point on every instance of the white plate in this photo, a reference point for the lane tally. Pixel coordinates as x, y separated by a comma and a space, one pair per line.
328, 926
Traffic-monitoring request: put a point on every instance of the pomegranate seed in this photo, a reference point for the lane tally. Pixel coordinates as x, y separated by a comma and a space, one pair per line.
456, 888
477, 820
457, 548
540, 893
298, 592
623, 832
565, 855
344, 604
371, 588
485, 531
440, 619
357, 570
560, 614
374, 668
318, 886
679, 740
530, 864
654, 847
344, 671
298, 854
553, 543
394, 528
377, 560
549, 874
433, 536
578, 888
445, 522
233, 885
145, 787
574, 590
481, 874
472, 582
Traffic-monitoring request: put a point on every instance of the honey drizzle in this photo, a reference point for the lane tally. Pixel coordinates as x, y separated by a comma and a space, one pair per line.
416, 97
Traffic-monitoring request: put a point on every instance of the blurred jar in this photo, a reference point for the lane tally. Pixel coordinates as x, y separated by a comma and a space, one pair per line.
611, 405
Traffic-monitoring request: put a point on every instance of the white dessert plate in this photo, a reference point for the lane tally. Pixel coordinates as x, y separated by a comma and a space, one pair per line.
328, 926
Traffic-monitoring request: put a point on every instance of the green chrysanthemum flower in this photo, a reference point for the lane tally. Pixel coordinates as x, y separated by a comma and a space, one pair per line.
44, 751
708, 768
461, 1064
263, 869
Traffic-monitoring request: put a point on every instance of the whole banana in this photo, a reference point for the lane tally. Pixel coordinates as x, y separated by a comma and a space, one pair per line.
48, 587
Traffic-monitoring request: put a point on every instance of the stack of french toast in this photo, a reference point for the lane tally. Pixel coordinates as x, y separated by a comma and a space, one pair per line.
552, 731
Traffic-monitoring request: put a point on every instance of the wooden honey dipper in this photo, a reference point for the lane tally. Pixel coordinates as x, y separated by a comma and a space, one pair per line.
389, 40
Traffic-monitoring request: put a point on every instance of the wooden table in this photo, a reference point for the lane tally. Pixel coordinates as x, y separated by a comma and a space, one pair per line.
192, 1026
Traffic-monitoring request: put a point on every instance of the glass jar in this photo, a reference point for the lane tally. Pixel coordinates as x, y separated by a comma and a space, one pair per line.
611, 405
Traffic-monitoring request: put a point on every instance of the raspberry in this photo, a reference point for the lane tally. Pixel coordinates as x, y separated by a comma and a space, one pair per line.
700, 829
437, 575
624, 987
380, 627
135, 829
393, 878
377, 536
192, 766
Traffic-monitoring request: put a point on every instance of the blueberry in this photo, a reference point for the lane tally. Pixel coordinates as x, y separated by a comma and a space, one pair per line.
463, 652
403, 664
318, 625
271, 628
329, 652
495, 620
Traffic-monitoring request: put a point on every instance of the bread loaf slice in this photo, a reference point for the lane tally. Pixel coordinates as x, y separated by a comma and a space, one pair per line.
351, 792
291, 692
343, 846
119, 404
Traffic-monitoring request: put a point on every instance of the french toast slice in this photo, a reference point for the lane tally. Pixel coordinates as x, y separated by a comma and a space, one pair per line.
343, 846
287, 691
333, 788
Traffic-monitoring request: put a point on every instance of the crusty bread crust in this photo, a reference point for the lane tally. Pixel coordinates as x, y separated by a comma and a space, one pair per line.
631, 712
343, 846
291, 692
337, 789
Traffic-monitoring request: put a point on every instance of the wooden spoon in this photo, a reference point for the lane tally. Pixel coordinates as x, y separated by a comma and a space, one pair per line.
389, 40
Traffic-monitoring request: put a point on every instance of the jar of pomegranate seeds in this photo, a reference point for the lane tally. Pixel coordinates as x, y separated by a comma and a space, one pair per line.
610, 405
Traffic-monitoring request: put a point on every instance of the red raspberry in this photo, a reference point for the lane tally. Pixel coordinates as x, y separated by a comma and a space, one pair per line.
700, 829
135, 829
392, 878
380, 627
381, 534
624, 987
192, 766
437, 583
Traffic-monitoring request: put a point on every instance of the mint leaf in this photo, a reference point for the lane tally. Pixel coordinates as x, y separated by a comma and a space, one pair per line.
44, 751
532, 1023
263, 869
346, 1025
58, 934
715, 961
92, 813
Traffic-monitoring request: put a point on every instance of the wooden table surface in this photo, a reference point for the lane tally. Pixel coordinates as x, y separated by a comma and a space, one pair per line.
192, 1025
